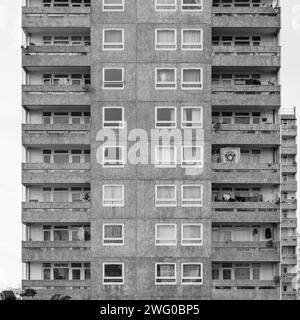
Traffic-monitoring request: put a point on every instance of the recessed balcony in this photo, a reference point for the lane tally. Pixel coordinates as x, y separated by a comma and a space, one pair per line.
289, 168
64, 251
289, 149
246, 95
288, 240
43, 173
289, 223
55, 134
236, 134
289, 259
289, 131
289, 186
266, 58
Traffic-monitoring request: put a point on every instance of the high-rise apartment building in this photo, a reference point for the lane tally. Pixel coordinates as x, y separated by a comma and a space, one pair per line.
202, 219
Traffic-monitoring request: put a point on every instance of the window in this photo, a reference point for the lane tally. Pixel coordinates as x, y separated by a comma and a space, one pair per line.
113, 273
61, 271
61, 233
191, 117
192, 157
191, 273
165, 39
113, 5
165, 5
113, 234
165, 273
113, 78
165, 196
113, 39
191, 196
165, 234
165, 78
191, 39
191, 234
113, 157
165, 157
191, 5
113, 117
113, 196
191, 79
165, 117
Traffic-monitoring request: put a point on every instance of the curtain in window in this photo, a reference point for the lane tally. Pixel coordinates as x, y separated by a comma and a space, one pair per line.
191, 270
113, 36
191, 232
113, 192
113, 231
61, 235
191, 36
165, 270
191, 76
165, 192
165, 232
192, 192
165, 75
192, 114
165, 36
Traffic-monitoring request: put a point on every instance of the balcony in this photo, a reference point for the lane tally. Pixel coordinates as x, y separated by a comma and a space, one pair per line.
245, 290
245, 251
39, 95
289, 295
288, 149
289, 223
289, 186
46, 212
58, 134
289, 204
246, 56
42, 173
243, 173
77, 290
37, 19
260, 18
55, 56
238, 134
289, 168
289, 131
288, 240
288, 277
63, 251
246, 95
248, 212
289, 259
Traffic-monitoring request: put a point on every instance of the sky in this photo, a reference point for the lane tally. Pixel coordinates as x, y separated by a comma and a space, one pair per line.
11, 119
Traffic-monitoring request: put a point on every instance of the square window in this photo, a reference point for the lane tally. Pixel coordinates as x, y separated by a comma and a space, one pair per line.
113, 39
113, 78
192, 157
165, 157
191, 196
113, 195
191, 79
191, 117
112, 5
165, 117
192, 39
113, 157
191, 234
113, 117
165, 5
165, 273
191, 273
165, 79
165, 39
191, 5
165, 196
113, 273
113, 234
165, 234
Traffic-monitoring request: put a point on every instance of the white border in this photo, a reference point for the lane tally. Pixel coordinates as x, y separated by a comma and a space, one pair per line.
171, 83
200, 240
103, 78
119, 200
112, 283
191, 283
108, 239
192, 200
175, 117
173, 278
113, 127
107, 44
166, 205
171, 239
166, 44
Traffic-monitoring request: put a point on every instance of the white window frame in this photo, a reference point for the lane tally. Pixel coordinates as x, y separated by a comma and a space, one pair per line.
104, 200
174, 126
191, 44
157, 165
113, 88
183, 122
122, 160
104, 45
173, 85
104, 240
190, 5
174, 204
188, 242
191, 278
172, 241
199, 163
166, 44
192, 83
162, 7
112, 283
174, 282
197, 202
121, 123
113, 5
